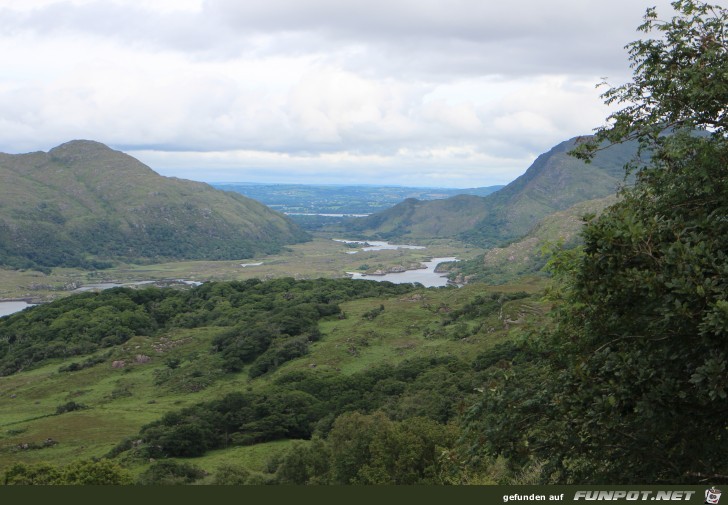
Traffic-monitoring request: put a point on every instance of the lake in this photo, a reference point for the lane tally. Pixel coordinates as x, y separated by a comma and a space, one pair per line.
425, 276
375, 245
108, 285
11, 307
326, 215
7, 308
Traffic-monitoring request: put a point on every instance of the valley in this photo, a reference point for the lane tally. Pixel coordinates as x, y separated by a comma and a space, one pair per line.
182, 338
319, 257
174, 368
181, 334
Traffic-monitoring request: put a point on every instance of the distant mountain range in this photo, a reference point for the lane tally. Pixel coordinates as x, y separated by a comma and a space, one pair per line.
83, 203
340, 199
554, 182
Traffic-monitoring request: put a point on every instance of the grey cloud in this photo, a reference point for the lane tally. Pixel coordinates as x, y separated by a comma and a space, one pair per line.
462, 36
415, 38
130, 24
363, 73
477, 20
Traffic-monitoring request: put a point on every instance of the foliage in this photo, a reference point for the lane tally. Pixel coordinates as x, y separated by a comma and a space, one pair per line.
374, 450
168, 472
231, 475
679, 80
257, 314
299, 405
483, 305
69, 407
372, 314
631, 385
369, 449
82, 473
305, 463
87, 363
277, 319
237, 419
79, 324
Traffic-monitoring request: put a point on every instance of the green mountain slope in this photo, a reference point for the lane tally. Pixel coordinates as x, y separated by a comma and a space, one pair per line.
554, 182
83, 201
424, 219
524, 256
108, 374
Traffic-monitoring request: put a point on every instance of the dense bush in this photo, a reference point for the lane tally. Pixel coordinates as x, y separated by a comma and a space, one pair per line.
69, 407
300, 404
370, 449
256, 312
168, 472
93, 473
631, 385
484, 305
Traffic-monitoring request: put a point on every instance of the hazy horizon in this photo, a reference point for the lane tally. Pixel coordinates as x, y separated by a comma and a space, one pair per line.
343, 184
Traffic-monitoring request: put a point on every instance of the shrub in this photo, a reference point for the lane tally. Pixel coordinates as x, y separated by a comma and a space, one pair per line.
170, 472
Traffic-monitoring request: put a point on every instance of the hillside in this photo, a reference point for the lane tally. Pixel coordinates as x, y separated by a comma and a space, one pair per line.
555, 181
82, 201
268, 364
525, 256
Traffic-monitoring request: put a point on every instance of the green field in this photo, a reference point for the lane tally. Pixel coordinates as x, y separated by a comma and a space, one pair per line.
117, 402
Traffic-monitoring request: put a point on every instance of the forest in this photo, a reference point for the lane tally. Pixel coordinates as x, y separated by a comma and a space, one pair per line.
269, 322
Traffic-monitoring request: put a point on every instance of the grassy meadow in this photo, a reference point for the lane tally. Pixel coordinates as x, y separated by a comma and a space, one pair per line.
168, 372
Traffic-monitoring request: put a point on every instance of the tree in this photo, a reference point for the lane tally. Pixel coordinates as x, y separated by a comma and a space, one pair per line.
21, 474
636, 372
407, 452
170, 472
370, 449
680, 80
305, 463
97, 473
350, 439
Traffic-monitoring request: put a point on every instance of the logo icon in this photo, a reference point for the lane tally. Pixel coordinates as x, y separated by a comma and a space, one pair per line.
712, 496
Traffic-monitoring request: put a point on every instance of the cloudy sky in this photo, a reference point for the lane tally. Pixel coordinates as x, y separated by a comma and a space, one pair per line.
456, 93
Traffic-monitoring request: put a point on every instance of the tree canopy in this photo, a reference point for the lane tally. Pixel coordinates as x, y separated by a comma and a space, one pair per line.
631, 386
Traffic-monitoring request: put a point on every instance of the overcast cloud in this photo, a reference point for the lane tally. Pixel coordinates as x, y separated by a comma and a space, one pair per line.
457, 93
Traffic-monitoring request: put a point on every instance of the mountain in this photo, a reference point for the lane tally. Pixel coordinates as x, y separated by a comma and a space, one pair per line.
554, 182
525, 256
82, 201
